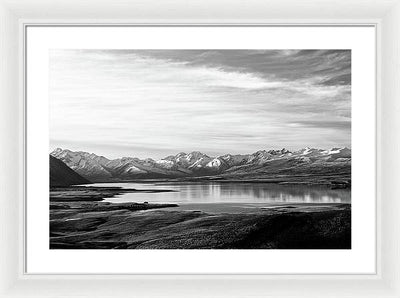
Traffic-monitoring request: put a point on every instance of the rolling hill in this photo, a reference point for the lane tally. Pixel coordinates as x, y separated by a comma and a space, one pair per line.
62, 175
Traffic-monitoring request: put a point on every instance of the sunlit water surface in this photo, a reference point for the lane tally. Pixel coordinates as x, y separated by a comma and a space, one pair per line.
217, 196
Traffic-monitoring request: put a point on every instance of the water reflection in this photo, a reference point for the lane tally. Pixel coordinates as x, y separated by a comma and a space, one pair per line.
231, 192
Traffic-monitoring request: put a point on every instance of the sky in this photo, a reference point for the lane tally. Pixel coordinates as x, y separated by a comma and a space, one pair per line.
155, 103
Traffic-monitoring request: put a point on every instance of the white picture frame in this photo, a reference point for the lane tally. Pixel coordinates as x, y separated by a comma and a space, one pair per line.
14, 16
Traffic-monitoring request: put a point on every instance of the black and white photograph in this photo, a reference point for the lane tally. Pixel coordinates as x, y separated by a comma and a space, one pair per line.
200, 149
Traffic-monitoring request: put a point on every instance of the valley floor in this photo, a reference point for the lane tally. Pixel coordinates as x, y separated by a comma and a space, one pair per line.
80, 220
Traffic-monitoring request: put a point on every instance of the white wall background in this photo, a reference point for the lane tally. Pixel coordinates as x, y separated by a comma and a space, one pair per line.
10, 137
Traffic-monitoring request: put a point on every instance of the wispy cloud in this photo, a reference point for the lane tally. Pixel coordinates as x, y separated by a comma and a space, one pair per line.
345, 125
153, 103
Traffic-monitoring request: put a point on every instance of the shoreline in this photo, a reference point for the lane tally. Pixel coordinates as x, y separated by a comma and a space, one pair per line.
94, 193
333, 184
80, 219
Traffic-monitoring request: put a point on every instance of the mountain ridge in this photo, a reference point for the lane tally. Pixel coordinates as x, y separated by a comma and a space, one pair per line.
62, 175
260, 164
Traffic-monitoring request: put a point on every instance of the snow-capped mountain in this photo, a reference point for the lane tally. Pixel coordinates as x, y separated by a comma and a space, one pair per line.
263, 162
191, 160
88, 165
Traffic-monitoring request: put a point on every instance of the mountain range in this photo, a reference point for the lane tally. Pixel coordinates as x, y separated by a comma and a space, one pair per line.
305, 164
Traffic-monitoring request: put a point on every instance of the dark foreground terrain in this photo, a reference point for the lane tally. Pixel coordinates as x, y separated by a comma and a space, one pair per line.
80, 220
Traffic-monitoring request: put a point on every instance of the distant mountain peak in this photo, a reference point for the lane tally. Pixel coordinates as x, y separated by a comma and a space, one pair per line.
196, 152
85, 164
58, 149
279, 152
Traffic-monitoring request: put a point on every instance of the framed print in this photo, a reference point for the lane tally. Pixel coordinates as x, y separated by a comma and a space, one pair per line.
203, 143
174, 154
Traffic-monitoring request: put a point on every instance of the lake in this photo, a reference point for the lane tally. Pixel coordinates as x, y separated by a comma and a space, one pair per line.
247, 195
